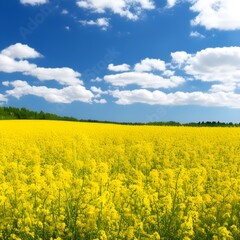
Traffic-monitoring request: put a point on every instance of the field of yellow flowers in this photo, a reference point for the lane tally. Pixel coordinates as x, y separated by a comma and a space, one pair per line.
64, 180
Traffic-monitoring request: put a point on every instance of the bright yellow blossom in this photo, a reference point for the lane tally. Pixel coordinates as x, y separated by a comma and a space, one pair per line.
70, 180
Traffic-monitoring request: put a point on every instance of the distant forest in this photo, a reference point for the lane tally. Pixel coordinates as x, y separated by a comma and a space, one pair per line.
11, 113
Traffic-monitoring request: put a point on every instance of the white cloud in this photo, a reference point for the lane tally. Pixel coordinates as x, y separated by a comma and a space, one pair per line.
125, 8
64, 76
20, 51
33, 2
97, 79
196, 34
98, 90
149, 65
217, 14
213, 14
3, 99
180, 57
11, 61
229, 87
215, 64
144, 76
5, 83
219, 99
119, 68
11, 58
10, 65
103, 23
171, 3
218, 66
98, 93
100, 101
65, 95
144, 80
168, 73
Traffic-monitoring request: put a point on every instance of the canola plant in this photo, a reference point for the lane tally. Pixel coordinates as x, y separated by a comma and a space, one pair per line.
65, 180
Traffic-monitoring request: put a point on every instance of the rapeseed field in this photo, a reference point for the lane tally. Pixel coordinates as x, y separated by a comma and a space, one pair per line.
65, 180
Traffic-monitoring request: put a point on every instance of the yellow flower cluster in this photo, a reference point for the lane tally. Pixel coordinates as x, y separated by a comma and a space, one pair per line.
64, 180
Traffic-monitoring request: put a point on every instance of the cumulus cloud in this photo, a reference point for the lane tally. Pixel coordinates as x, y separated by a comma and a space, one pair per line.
100, 101
33, 2
98, 94
119, 68
103, 23
149, 65
171, 3
215, 64
220, 99
64, 76
144, 80
180, 57
217, 14
228, 87
3, 99
213, 14
148, 73
65, 95
10, 65
11, 60
98, 90
168, 73
97, 79
20, 51
129, 9
218, 66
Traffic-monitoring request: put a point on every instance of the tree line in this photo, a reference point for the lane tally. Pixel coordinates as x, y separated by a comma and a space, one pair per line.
11, 113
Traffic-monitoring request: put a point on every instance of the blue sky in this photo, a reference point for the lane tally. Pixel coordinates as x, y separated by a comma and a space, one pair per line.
121, 60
